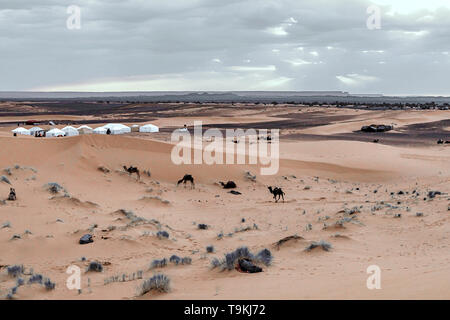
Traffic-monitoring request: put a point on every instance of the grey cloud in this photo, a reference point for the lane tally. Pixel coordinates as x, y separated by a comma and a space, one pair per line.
168, 42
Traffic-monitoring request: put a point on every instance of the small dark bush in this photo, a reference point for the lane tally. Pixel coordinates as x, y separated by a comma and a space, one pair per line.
15, 270
162, 234
53, 187
175, 259
36, 278
20, 282
159, 282
186, 260
323, 244
95, 266
264, 256
48, 284
158, 263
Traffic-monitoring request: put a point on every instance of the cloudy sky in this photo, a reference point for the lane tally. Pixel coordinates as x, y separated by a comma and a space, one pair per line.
144, 45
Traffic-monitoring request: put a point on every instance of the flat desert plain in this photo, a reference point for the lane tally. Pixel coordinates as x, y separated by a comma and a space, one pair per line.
370, 202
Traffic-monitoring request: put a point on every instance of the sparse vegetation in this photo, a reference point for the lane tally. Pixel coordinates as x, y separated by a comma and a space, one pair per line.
159, 283
124, 277
48, 284
264, 256
186, 260
6, 224
326, 246
4, 179
230, 259
95, 266
158, 263
104, 169
54, 188
175, 259
162, 235
15, 270
36, 278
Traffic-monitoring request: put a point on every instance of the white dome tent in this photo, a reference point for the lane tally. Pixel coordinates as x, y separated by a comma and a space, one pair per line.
117, 128
34, 130
21, 130
55, 133
100, 130
149, 128
84, 129
70, 131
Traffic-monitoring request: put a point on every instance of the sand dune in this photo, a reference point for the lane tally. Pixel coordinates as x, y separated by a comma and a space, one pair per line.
324, 182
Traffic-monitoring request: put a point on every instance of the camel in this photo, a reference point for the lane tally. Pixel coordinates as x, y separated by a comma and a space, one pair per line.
132, 170
186, 178
276, 192
12, 195
228, 185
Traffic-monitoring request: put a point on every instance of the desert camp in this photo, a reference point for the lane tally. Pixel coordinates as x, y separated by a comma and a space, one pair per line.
224, 155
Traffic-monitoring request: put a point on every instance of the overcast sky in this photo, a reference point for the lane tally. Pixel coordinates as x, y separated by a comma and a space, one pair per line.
144, 45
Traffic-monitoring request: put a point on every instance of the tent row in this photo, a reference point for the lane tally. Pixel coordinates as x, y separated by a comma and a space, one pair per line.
110, 128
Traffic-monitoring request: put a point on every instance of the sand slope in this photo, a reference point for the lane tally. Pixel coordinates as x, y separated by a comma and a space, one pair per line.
320, 180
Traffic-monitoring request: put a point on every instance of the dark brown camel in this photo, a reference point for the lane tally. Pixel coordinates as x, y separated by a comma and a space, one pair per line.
186, 178
228, 185
132, 170
12, 195
277, 192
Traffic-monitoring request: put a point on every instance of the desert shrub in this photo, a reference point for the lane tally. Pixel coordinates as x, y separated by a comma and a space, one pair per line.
158, 263
48, 284
186, 260
264, 256
16, 236
210, 249
326, 246
175, 259
53, 187
162, 234
352, 210
4, 179
158, 282
15, 270
36, 278
95, 266
103, 169
11, 293
6, 224
250, 176
230, 259
215, 263
202, 226
124, 277
20, 282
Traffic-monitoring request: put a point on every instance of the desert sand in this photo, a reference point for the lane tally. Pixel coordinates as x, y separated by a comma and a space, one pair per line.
339, 187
